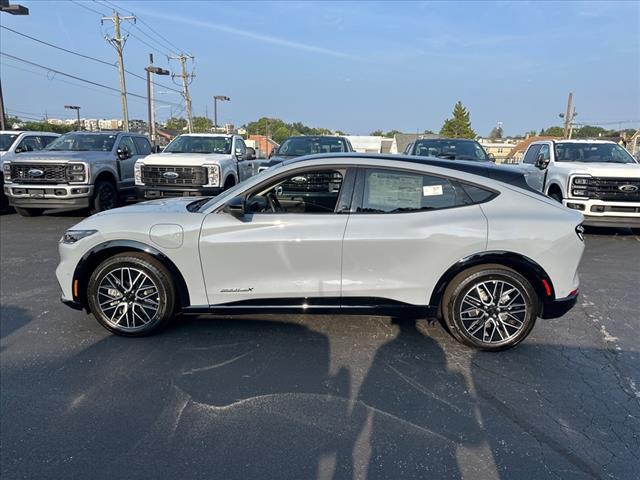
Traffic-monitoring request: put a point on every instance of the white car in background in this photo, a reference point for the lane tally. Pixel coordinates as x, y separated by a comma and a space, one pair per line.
598, 178
343, 233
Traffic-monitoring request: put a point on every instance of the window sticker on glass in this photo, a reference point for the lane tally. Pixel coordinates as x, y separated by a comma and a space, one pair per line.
430, 190
393, 190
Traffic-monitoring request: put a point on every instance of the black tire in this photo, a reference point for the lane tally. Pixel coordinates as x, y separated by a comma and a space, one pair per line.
105, 197
556, 196
132, 319
511, 325
29, 212
230, 182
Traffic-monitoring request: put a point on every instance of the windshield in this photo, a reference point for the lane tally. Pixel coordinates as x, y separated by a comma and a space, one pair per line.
592, 153
83, 142
6, 140
450, 149
188, 144
298, 146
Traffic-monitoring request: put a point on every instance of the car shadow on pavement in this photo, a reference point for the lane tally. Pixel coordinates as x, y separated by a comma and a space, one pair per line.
12, 318
253, 398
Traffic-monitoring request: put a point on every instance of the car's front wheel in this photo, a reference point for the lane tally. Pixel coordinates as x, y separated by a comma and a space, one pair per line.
131, 294
105, 197
490, 307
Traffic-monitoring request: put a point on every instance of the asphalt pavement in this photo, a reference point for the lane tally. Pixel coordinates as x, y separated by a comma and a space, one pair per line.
315, 397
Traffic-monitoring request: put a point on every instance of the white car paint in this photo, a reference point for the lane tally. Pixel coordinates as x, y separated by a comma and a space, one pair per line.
399, 257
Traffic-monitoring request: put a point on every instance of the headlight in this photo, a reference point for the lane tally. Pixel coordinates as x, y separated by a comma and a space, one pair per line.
138, 174
6, 170
76, 173
580, 180
579, 193
213, 174
72, 236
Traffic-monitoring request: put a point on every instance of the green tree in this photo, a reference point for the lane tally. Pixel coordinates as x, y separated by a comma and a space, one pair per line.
377, 133
460, 125
202, 124
554, 131
589, 131
392, 133
47, 127
281, 134
176, 124
495, 134
428, 132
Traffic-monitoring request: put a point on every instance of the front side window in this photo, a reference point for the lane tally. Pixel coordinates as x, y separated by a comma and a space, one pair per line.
450, 149
142, 145
545, 152
592, 153
199, 144
531, 155
240, 147
393, 191
83, 142
314, 191
30, 144
127, 142
299, 146
6, 140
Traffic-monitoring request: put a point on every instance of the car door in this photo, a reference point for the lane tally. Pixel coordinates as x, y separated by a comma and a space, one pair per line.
245, 166
287, 248
127, 164
406, 228
528, 166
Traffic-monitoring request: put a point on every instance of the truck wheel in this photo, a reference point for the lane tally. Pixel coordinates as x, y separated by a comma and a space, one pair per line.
29, 212
105, 197
490, 307
556, 196
230, 182
131, 294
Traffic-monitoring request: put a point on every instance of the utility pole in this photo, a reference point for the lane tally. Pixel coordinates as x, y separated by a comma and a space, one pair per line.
77, 109
14, 9
222, 98
569, 117
150, 103
118, 43
187, 78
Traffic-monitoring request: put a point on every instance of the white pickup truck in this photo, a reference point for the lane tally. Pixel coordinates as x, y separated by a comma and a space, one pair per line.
198, 164
598, 178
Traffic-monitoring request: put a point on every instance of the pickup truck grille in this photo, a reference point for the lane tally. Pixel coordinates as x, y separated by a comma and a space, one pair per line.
50, 173
325, 182
187, 176
605, 188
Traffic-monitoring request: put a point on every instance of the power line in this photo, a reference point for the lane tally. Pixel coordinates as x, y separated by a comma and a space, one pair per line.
88, 57
86, 8
84, 80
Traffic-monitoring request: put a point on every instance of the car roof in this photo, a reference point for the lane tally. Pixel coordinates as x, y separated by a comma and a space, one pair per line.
490, 170
207, 135
18, 132
316, 136
577, 141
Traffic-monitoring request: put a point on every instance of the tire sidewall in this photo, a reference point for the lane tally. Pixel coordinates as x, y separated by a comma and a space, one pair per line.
156, 272
97, 202
463, 283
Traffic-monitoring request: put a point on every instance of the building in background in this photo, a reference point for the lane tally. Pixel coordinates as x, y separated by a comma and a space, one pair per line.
517, 152
370, 143
262, 145
499, 149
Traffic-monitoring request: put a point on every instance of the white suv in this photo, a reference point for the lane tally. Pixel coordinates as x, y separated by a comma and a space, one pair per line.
598, 178
336, 233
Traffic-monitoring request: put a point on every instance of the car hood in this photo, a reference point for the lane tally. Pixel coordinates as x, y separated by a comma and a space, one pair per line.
164, 205
60, 156
185, 159
600, 169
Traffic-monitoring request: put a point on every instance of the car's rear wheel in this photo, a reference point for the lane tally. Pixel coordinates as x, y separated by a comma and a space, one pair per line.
131, 294
29, 212
490, 307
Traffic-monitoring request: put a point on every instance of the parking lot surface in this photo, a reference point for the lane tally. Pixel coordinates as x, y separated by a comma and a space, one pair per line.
315, 396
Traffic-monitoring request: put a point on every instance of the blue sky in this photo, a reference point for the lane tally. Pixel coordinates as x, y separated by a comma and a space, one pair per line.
351, 66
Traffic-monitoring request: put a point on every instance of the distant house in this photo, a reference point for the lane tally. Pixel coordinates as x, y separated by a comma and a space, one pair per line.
500, 150
369, 143
262, 145
517, 152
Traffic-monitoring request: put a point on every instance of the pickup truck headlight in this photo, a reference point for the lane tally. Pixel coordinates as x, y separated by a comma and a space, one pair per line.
579, 186
213, 175
137, 173
581, 180
77, 173
72, 236
6, 170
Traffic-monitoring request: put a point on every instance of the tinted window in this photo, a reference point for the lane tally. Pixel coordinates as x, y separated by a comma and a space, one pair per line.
392, 191
308, 192
298, 146
6, 140
199, 144
450, 149
142, 145
46, 140
531, 155
592, 152
30, 144
79, 142
477, 194
241, 147
545, 152
127, 141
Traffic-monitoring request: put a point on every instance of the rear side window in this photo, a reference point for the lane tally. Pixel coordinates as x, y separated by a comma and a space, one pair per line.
477, 194
532, 154
46, 140
393, 191
142, 145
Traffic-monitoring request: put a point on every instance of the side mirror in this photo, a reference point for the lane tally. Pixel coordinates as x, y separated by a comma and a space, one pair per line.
492, 157
157, 149
235, 207
274, 152
541, 163
251, 153
123, 153
19, 150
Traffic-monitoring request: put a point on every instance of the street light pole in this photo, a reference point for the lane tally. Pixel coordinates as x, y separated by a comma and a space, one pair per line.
222, 98
13, 10
150, 104
77, 109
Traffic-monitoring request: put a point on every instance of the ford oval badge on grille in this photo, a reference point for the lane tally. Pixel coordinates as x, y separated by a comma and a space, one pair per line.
622, 188
35, 172
171, 175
